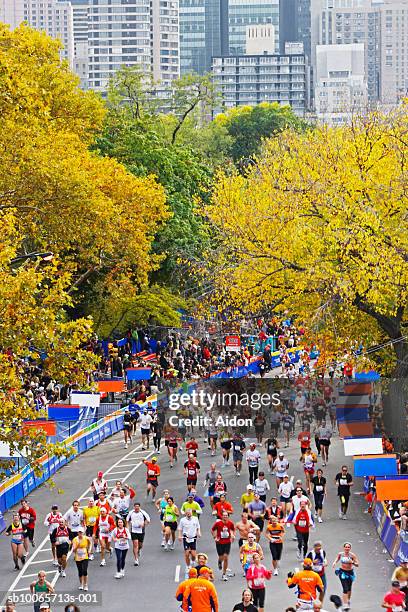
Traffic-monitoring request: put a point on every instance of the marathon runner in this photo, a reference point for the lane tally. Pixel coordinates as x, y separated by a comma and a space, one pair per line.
344, 482
238, 447
99, 485
325, 434
102, 533
28, 517
308, 584
74, 519
309, 460
280, 467
81, 547
256, 576
127, 427
145, 421
244, 527
91, 513
319, 493
137, 521
39, 589
153, 473
248, 497
288, 423
189, 531
121, 504
220, 488
62, 541
348, 561
275, 510
253, 459
121, 539
192, 505
222, 506
192, 575
209, 482
192, 471
157, 429
256, 511
192, 446
160, 505
275, 533
16, 530
202, 561
285, 490
52, 519
302, 522
247, 551
261, 486
171, 442
271, 446
103, 503
170, 516
223, 532
319, 560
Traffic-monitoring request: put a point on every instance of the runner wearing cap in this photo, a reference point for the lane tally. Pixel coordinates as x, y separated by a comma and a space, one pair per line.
280, 467
248, 497
201, 594
308, 584
81, 547
191, 504
192, 575
153, 473
137, 520
51, 520
102, 533
202, 562
394, 600
99, 485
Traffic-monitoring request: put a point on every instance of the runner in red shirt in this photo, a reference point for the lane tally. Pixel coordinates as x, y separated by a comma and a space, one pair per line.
222, 506
192, 447
223, 532
153, 473
28, 517
394, 600
191, 470
103, 502
304, 439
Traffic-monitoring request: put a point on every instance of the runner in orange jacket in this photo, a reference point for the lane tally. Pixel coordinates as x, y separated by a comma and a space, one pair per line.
200, 594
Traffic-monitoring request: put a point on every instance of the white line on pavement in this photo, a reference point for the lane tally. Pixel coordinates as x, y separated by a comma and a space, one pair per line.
177, 574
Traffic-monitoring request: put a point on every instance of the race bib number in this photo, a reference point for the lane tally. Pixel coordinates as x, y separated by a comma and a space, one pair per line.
302, 523
257, 582
343, 481
225, 534
319, 488
190, 540
81, 553
191, 472
92, 520
151, 473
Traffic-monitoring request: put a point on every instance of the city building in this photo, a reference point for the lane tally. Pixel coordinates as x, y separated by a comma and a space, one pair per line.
295, 24
243, 13
341, 85
51, 16
260, 39
203, 33
81, 34
394, 51
143, 33
251, 79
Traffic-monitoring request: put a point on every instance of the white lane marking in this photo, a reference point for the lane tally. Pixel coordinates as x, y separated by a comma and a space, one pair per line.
36, 575
46, 539
42, 561
120, 472
177, 574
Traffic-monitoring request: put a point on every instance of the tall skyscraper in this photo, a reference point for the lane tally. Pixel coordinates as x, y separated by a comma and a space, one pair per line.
51, 16
203, 33
81, 34
243, 13
295, 24
394, 51
141, 33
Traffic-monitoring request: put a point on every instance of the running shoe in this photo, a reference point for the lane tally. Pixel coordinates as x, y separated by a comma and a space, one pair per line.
63, 574
230, 572
276, 573
103, 563
225, 577
118, 575
136, 562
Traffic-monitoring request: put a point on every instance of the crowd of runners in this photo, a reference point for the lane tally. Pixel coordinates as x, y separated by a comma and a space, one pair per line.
275, 507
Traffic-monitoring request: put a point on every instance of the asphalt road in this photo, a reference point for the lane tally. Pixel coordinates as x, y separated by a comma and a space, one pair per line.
151, 586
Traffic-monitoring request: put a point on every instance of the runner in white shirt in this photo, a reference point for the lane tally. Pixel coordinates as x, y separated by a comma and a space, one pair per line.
121, 537
261, 486
189, 531
75, 519
99, 485
51, 521
285, 491
280, 466
253, 458
298, 499
137, 521
145, 423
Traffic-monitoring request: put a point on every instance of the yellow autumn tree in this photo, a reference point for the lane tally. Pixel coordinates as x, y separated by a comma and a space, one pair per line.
89, 210
318, 226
